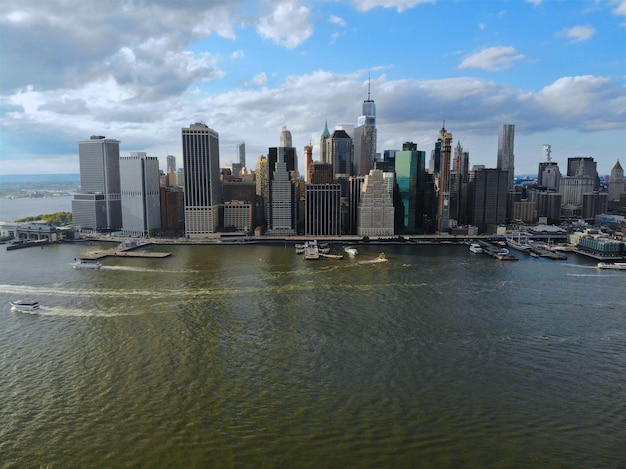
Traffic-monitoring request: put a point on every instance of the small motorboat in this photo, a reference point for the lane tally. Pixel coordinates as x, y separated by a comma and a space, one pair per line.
26, 306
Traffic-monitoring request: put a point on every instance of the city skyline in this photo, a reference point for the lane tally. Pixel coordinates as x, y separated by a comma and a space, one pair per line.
247, 69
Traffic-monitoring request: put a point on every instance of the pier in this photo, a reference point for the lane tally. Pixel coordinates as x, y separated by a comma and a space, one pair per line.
125, 251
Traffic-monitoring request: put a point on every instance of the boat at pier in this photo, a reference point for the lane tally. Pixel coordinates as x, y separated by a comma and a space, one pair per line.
518, 240
476, 248
24, 306
612, 265
311, 251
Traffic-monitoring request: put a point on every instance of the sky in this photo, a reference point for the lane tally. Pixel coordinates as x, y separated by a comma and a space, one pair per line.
140, 70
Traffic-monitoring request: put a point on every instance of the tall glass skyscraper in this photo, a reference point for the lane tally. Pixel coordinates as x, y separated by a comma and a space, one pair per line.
201, 164
410, 177
98, 207
506, 155
365, 138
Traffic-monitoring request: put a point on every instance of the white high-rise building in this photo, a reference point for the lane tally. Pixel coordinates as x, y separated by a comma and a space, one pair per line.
98, 206
376, 212
141, 205
201, 165
506, 153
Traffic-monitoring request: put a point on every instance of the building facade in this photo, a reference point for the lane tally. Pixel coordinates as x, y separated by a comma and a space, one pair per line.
410, 167
488, 198
506, 152
98, 207
322, 210
376, 212
141, 205
201, 164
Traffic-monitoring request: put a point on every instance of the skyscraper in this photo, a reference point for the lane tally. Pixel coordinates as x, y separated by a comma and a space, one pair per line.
201, 164
365, 137
322, 211
241, 153
139, 181
171, 164
443, 201
488, 198
616, 183
410, 176
376, 213
506, 156
339, 153
285, 138
98, 206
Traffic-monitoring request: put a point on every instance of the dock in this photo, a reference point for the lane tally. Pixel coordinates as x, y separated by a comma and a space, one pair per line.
125, 251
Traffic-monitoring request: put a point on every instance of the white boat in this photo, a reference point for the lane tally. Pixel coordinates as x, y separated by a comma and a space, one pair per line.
351, 251
86, 264
26, 306
612, 265
476, 248
518, 241
311, 251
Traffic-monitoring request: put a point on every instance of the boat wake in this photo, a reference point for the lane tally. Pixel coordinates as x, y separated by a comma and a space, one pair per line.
145, 269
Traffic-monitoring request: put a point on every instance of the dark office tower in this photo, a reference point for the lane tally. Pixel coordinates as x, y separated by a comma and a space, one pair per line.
365, 138
201, 164
443, 201
308, 161
488, 198
322, 210
339, 153
549, 176
241, 153
323, 145
616, 183
171, 164
320, 173
98, 207
506, 156
581, 166
548, 205
584, 167
410, 177
354, 199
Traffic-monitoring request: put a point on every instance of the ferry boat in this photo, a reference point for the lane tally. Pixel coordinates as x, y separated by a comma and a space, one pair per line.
476, 248
86, 264
26, 306
612, 265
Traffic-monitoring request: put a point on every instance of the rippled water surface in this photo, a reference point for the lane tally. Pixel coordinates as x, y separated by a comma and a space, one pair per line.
235, 356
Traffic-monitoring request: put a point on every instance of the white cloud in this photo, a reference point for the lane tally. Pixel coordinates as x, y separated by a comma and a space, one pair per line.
337, 20
399, 5
578, 33
238, 54
535, 2
620, 9
288, 25
260, 79
492, 59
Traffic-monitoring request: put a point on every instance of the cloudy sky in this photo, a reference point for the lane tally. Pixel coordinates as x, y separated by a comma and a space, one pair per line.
140, 70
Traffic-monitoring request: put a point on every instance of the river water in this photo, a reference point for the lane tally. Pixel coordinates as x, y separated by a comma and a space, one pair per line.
249, 356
